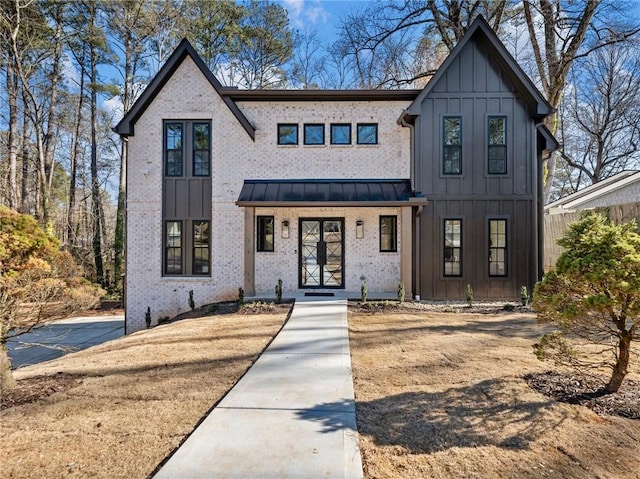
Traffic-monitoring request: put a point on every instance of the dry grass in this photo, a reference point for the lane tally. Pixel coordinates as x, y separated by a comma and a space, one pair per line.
443, 396
120, 408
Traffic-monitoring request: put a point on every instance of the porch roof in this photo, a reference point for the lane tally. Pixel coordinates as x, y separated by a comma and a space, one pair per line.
321, 192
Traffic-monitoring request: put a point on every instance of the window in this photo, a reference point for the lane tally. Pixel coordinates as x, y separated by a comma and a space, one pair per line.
173, 134
497, 247
265, 233
313, 134
173, 247
452, 145
340, 134
497, 145
388, 234
367, 134
201, 149
453, 247
287, 134
200, 247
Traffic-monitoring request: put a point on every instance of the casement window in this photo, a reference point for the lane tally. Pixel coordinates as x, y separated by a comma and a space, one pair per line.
367, 134
182, 236
173, 151
497, 154
498, 247
388, 234
264, 231
287, 134
452, 145
452, 247
340, 133
200, 247
173, 247
313, 134
201, 149
176, 156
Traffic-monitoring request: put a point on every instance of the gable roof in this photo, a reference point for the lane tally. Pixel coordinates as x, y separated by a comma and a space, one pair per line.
126, 126
596, 190
499, 53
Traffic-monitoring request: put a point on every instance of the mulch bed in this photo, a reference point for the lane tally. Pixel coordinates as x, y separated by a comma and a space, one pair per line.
588, 391
33, 389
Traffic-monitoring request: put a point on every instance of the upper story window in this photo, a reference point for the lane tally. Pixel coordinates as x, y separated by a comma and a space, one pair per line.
174, 139
452, 247
287, 134
497, 247
180, 160
388, 233
264, 234
452, 145
367, 134
314, 134
497, 154
340, 133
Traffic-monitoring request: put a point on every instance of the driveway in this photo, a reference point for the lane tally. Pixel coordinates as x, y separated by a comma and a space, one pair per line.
62, 337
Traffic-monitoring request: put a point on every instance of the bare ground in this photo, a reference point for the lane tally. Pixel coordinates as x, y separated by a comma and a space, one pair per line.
118, 409
444, 395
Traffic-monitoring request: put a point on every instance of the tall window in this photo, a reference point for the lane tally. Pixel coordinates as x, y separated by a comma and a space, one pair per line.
340, 133
367, 134
452, 145
453, 247
313, 134
173, 134
173, 247
497, 247
497, 145
200, 247
388, 234
287, 134
201, 149
265, 234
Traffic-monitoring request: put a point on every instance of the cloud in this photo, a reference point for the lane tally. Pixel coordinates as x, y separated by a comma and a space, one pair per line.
303, 13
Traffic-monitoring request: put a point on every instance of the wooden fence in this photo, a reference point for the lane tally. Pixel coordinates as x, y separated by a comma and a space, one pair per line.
556, 225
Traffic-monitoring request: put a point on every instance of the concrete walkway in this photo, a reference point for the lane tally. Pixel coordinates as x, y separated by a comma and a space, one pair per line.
291, 416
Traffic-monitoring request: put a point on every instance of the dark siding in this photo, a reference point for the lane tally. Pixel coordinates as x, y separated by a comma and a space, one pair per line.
475, 88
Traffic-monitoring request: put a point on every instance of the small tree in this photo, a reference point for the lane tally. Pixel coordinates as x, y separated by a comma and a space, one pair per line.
38, 282
593, 297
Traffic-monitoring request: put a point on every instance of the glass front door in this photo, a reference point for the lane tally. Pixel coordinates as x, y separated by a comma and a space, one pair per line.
321, 253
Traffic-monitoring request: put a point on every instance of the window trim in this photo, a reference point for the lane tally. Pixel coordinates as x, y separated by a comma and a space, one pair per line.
193, 148
288, 125
332, 139
304, 133
375, 142
505, 248
445, 146
394, 233
194, 247
502, 145
461, 248
166, 150
261, 234
167, 248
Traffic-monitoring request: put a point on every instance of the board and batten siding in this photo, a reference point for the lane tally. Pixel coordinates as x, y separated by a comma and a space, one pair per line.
474, 88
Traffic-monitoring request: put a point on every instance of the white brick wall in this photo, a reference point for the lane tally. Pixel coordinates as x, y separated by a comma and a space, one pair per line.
235, 157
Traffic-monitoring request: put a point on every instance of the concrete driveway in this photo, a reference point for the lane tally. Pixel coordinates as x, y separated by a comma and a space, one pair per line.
62, 337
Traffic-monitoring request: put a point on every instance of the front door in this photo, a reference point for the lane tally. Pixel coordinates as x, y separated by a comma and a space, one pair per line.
321, 253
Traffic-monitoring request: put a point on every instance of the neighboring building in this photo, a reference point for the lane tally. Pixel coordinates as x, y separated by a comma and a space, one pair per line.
231, 188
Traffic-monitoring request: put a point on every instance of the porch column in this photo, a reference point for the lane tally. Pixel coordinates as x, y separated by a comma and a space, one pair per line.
406, 255
249, 251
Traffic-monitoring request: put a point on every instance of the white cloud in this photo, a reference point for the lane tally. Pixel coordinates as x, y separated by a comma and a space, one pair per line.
303, 13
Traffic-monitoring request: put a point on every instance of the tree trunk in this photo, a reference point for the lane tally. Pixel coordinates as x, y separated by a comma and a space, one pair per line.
71, 219
12, 140
24, 191
620, 369
95, 183
7, 381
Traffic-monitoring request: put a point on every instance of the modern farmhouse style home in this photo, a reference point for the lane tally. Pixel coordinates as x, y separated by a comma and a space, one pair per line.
437, 188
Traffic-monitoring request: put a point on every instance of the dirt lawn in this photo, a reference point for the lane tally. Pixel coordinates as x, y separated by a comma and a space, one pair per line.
442, 395
118, 409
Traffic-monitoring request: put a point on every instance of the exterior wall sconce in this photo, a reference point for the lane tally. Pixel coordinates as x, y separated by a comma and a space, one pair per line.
359, 229
284, 231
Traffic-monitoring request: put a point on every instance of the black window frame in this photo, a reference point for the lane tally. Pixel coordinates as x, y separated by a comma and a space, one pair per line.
312, 125
366, 125
449, 148
167, 248
450, 254
393, 234
195, 247
495, 147
288, 125
194, 150
493, 249
332, 135
262, 233
166, 149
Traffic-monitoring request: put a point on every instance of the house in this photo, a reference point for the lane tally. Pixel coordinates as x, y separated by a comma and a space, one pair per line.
437, 188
